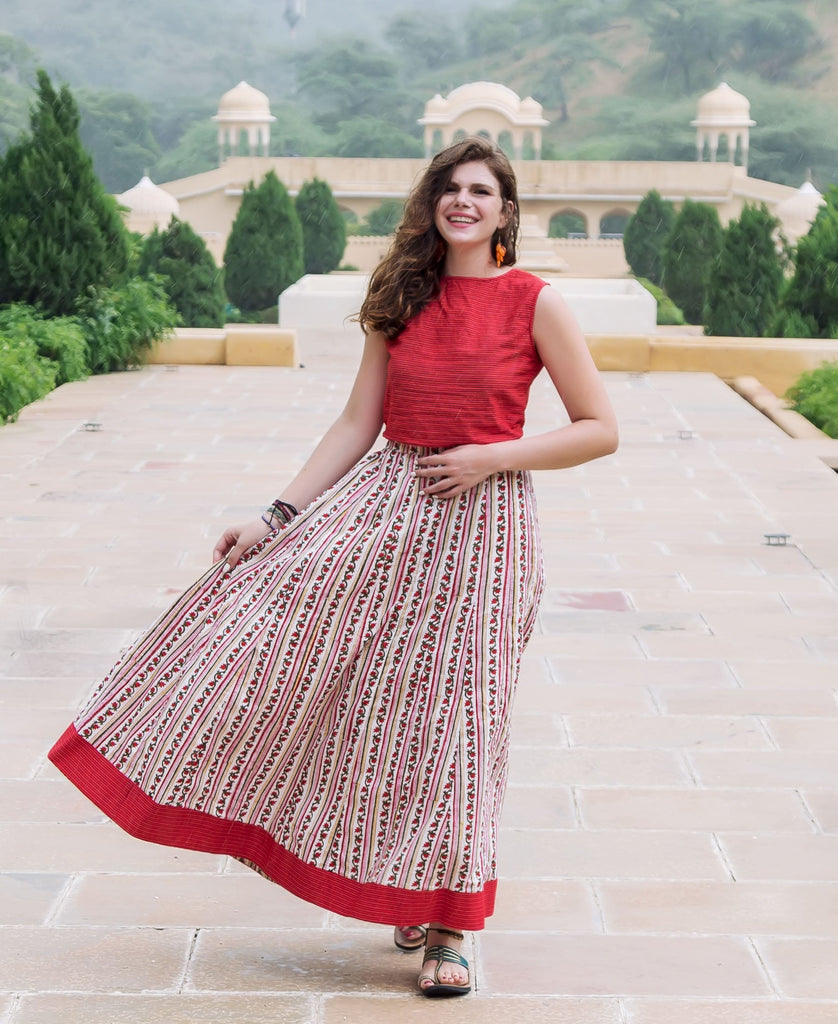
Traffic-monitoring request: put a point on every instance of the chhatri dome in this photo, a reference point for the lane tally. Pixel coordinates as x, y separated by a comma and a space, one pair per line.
723, 113
483, 108
244, 111
149, 206
798, 212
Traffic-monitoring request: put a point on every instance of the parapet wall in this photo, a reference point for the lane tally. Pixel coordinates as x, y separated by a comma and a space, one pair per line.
775, 362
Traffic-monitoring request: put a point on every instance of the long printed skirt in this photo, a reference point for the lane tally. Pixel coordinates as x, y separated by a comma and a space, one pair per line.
335, 710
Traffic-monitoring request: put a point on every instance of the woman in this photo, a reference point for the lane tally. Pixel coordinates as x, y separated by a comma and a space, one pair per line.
330, 702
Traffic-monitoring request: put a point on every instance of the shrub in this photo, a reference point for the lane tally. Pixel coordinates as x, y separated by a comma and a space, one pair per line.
384, 219
744, 281
694, 242
191, 278
264, 253
61, 232
815, 396
121, 325
809, 303
60, 339
668, 313
646, 234
324, 228
25, 376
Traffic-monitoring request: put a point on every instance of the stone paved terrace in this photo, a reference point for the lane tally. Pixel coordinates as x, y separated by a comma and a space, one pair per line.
670, 840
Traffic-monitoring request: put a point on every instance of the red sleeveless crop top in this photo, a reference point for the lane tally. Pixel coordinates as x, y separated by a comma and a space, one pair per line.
460, 371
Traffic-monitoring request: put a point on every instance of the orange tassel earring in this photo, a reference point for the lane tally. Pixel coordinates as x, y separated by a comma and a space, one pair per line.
500, 252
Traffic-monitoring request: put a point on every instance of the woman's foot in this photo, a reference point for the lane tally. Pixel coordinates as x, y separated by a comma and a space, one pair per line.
445, 971
410, 938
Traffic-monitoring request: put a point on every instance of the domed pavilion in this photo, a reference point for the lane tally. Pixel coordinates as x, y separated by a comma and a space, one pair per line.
725, 114
488, 109
244, 112
149, 206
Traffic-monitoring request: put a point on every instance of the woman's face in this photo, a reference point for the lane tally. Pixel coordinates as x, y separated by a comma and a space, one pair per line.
471, 208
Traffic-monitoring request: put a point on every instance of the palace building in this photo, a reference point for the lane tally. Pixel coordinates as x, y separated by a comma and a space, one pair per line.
594, 198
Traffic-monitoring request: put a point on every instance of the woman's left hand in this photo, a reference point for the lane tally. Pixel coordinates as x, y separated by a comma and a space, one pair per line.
454, 471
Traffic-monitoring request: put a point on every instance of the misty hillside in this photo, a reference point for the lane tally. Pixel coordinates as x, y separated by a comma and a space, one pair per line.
618, 79
202, 46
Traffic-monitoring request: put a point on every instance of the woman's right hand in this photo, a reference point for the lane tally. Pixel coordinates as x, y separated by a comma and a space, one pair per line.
235, 540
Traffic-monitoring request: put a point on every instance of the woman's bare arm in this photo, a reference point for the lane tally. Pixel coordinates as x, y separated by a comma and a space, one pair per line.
349, 438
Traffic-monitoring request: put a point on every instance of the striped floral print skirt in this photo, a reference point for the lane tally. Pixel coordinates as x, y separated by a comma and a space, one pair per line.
335, 710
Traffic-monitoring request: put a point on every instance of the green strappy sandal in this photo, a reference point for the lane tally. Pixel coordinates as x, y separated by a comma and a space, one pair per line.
443, 955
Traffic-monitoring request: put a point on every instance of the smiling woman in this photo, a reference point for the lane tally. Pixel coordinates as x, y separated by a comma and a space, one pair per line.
330, 702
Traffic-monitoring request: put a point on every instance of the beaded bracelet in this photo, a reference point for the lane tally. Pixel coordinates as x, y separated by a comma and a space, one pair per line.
282, 511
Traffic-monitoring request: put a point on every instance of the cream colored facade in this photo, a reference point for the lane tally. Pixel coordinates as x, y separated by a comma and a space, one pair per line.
596, 191
484, 108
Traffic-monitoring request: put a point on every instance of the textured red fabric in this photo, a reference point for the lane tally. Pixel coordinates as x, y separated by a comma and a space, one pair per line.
460, 372
135, 812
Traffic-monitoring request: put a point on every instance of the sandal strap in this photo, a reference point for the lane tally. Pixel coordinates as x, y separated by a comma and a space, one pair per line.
447, 931
445, 955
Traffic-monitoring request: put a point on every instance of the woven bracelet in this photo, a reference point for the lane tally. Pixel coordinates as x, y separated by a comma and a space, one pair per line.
282, 511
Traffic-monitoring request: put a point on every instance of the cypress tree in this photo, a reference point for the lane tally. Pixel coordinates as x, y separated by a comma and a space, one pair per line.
324, 229
809, 304
693, 243
264, 253
646, 234
191, 279
744, 281
62, 233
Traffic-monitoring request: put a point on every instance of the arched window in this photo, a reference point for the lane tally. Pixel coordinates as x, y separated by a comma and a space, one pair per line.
613, 224
568, 224
506, 143
528, 150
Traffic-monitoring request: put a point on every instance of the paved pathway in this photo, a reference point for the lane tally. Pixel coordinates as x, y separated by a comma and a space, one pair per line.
670, 842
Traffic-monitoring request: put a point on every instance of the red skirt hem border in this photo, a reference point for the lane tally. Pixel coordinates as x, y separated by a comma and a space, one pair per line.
134, 811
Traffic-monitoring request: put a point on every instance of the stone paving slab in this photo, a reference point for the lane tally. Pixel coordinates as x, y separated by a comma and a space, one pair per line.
669, 849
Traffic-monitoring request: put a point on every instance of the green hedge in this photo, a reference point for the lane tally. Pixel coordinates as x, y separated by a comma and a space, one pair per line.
112, 331
668, 313
815, 396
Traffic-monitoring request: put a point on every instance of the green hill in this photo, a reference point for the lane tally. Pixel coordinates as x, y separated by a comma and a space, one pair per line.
617, 78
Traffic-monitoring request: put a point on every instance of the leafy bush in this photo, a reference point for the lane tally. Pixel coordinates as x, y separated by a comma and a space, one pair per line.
668, 313
808, 305
324, 229
61, 232
60, 339
815, 396
264, 252
645, 236
383, 219
25, 376
744, 281
191, 278
121, 325
694, 242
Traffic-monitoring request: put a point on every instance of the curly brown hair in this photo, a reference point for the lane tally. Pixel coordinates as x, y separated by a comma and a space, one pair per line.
408, 277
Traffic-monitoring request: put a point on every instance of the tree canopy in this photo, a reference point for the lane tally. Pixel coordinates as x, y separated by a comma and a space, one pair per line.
324, 228
646, 234
691, 247
264, 253
47, 179
744, 281
809, 303
192, 281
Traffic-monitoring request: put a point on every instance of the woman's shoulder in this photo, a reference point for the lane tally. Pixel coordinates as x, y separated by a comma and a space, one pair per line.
524, 280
